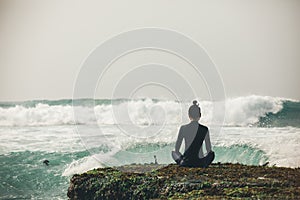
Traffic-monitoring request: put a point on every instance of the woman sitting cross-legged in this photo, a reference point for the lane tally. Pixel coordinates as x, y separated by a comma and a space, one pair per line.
194, 135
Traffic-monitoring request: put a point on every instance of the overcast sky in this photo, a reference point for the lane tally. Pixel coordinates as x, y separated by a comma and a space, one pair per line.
254, 44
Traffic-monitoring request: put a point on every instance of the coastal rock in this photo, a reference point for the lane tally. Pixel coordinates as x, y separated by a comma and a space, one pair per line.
154, 181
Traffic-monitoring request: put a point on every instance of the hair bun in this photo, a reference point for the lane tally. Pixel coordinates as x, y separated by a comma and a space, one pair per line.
195, 102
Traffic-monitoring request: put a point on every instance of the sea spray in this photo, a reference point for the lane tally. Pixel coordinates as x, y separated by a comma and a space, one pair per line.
240, 111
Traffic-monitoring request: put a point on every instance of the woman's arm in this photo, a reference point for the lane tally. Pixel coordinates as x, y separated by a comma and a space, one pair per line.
179, 140
201, 155
207, 142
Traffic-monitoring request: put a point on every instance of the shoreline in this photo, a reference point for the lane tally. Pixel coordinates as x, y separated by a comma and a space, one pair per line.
218, 181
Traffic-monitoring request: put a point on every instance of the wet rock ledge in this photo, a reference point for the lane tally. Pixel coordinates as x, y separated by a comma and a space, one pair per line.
219, 181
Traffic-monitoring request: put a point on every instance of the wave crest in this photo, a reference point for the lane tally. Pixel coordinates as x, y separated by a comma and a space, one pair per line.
240, 111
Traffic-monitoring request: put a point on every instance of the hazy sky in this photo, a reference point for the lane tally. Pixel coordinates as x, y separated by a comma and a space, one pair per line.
255, 44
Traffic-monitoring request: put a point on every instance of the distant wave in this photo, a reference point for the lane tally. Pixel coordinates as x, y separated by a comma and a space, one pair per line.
241, 111
289, 115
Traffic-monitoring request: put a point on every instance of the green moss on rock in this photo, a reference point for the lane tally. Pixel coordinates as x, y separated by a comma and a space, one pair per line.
219, 181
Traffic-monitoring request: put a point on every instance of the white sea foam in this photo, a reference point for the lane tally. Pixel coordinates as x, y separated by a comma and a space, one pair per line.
245, 111
241, 111
90, 162
280, 145
236, 144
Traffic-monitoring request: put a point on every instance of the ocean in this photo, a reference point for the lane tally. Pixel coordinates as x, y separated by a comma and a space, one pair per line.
256, 130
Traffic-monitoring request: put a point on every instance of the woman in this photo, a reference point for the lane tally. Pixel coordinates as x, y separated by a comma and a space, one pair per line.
194, 135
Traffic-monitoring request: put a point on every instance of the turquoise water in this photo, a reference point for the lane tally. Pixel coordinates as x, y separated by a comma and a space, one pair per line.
289, 115
23, 176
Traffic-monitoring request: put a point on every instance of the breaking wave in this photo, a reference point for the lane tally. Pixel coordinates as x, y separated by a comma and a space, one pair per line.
240, 111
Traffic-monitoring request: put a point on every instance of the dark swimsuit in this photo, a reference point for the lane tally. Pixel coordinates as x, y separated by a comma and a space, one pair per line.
190, 157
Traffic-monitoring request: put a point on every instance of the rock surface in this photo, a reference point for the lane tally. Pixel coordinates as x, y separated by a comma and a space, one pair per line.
219, 181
